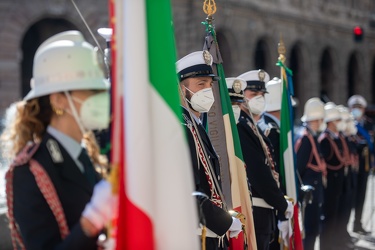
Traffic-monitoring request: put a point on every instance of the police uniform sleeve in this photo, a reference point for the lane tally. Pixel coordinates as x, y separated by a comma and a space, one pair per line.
303, 155
217, 219
37, 224
259, 174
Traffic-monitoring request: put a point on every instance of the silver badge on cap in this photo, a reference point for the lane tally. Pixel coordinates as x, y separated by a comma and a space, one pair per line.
207, 57
236, 86
261, 75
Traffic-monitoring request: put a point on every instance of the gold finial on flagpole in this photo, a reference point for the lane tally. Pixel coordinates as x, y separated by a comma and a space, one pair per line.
282, 50
209, 7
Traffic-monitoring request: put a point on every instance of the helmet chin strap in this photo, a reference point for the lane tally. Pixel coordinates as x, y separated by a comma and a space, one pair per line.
74, 113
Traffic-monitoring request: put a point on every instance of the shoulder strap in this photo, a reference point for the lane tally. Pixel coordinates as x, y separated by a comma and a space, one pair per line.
336, 151
46, 187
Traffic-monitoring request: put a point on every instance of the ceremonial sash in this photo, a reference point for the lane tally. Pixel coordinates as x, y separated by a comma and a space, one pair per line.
336, 151
46, 187
321, 165
215, 197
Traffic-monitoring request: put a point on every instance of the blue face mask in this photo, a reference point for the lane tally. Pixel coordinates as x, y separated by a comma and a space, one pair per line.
357, 113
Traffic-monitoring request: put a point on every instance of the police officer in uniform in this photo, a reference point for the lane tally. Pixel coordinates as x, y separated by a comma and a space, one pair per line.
236, 86
332, 150
312, 168
257, 152
196, 81
365, 150
52, 196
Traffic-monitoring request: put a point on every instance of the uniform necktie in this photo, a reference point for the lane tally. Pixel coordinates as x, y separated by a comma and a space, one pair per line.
89, 171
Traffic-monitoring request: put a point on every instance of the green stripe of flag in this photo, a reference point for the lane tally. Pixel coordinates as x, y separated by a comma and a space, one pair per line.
162, 52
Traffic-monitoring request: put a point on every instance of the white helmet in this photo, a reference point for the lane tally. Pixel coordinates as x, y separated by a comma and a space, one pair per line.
65, 62
351, 128
332, 112
345, 117
314, 110
357, 100
273, 98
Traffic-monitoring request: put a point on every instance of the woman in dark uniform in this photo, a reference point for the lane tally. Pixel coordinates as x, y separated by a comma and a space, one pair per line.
54, 197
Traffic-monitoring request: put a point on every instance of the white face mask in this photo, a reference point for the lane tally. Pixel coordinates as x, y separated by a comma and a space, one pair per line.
236, 112
341, 126
257, 104
351, 128
94, 112
322, 126
202, 100
357, 113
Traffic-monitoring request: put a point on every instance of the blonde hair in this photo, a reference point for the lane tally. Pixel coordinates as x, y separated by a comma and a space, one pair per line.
29, 122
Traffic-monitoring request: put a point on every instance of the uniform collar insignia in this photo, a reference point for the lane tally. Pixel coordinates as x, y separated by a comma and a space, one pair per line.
54, 151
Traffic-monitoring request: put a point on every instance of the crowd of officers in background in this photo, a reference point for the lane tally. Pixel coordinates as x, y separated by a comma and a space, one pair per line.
334, 155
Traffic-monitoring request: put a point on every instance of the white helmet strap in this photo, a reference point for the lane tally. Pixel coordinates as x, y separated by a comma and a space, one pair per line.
74, 112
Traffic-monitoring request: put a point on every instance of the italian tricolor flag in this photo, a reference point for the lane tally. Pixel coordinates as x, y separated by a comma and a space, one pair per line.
287, 166
156, 208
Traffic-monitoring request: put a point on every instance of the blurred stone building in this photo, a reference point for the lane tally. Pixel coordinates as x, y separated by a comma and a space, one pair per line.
318, 36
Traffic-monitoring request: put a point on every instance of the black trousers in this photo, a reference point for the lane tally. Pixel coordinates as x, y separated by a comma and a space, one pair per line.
332, 195
360, 196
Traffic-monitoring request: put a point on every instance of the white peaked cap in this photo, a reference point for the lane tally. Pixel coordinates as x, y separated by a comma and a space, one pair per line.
313, 110
196, 64
256, 80
236, 86
66, 62
357, 100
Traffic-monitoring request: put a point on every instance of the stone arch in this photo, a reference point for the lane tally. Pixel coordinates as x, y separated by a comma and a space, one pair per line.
228, 54
33, 37
327, 74
262, 55
356, 82
298, 64
21, 15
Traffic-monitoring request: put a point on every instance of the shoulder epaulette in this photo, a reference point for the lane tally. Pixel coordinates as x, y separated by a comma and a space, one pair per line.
25, 154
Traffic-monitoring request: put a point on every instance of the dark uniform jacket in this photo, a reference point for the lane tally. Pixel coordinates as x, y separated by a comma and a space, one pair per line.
37, 224
260, 176
307, 164
335, 159
217, 219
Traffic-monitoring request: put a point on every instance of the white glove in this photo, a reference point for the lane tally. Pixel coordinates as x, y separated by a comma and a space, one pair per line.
289, 210
102, 206
236, 228
285, 229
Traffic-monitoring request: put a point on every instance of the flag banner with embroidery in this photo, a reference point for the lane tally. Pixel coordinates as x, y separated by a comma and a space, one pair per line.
156, 207
239, 190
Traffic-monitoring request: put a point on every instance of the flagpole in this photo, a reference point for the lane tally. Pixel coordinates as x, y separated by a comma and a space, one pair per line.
287, 156
221, 119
